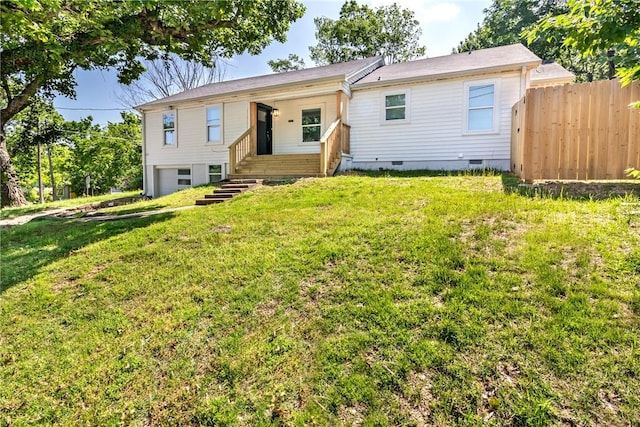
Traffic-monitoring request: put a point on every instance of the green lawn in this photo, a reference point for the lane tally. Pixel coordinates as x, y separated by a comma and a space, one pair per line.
346, 301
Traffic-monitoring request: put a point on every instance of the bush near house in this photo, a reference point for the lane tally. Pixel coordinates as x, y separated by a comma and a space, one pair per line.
354, 300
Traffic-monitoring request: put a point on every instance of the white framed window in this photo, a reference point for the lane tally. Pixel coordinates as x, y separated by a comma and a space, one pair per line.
214, 123
215, 173
169, 129
311, 124
481, 106
395, 107
184, 177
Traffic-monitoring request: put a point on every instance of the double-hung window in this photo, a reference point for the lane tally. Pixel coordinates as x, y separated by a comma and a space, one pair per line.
395, 107
311, 125
481, 107
214, 124
169, 128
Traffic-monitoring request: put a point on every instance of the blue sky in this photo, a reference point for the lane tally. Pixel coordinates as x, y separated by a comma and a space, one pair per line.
444, 24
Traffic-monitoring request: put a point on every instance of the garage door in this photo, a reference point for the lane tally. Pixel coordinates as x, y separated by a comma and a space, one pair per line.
167, 181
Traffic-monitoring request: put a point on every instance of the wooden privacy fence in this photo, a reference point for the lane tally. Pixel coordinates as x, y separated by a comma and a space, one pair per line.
579, 131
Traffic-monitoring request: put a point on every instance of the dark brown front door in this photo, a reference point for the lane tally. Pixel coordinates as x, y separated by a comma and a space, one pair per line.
265, 130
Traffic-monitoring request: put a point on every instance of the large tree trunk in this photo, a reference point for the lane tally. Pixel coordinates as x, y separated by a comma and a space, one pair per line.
12, 194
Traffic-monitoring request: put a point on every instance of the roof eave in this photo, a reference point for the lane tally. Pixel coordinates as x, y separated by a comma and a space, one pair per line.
449, 75
160, 103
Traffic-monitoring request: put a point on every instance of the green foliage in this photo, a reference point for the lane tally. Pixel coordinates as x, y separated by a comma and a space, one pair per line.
507, 22
361, 32
45, 41
111, 156
594, 27
290, 63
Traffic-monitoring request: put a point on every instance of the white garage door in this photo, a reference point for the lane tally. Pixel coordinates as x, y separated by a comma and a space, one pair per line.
167, 181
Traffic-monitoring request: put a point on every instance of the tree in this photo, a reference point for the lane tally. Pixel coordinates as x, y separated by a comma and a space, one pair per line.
37, 125
507, 21
111, 156
361, 32
167, 76
595, 27
290, 63
45, 41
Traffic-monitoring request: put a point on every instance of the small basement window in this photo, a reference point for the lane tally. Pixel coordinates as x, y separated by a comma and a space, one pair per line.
184, 177
215, 173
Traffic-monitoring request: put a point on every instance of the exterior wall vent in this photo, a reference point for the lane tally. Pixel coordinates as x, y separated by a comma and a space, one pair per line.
397, 163
475, 162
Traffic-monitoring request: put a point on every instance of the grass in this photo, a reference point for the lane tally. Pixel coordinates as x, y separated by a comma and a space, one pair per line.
354, 300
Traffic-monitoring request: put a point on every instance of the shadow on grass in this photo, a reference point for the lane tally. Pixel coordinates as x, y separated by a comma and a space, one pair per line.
27, 248
135, 209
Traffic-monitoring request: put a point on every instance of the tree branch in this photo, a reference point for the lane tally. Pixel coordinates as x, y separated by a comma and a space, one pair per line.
20, 101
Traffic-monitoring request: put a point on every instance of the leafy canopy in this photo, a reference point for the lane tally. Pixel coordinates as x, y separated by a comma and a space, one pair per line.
508, 21
290, 63
44, 41
361, 32
595, 26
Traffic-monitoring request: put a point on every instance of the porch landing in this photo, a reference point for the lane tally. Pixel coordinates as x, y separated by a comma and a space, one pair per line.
278, 166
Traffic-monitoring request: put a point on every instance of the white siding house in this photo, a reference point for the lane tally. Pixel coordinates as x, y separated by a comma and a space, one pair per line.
450, 112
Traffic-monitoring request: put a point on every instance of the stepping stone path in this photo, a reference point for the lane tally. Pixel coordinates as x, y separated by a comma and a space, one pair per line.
228, 191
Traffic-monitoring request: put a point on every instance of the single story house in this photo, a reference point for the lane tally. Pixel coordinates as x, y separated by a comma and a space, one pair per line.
448, 112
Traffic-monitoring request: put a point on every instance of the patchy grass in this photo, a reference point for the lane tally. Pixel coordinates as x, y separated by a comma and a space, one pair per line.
344, 301
10, 212
180, 198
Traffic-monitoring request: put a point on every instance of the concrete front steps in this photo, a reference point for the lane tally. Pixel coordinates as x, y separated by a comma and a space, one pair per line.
228, 191
279, 166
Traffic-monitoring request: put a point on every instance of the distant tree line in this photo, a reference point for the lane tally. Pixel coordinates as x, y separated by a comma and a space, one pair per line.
71, 151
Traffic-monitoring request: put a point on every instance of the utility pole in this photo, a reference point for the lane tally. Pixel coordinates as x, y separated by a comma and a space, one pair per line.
53, 181
40, 185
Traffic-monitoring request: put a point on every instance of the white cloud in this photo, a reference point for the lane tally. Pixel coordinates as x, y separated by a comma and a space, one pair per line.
425, 11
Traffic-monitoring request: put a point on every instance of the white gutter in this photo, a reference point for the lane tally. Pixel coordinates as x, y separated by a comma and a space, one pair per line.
444, 76
145, 186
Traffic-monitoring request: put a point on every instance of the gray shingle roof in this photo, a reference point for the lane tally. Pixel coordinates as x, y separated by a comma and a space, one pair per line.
346, 71
496, 58
551, 71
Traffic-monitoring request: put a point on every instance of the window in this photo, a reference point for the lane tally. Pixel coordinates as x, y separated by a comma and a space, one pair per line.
184, 176
214, 124
169, 128
395, 107
481, 101
311, 125
215, 173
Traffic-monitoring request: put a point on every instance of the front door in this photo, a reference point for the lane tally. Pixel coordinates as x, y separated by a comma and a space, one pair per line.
265, 130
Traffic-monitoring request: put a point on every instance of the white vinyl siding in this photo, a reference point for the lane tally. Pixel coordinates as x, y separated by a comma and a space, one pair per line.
436, 132
287, 129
